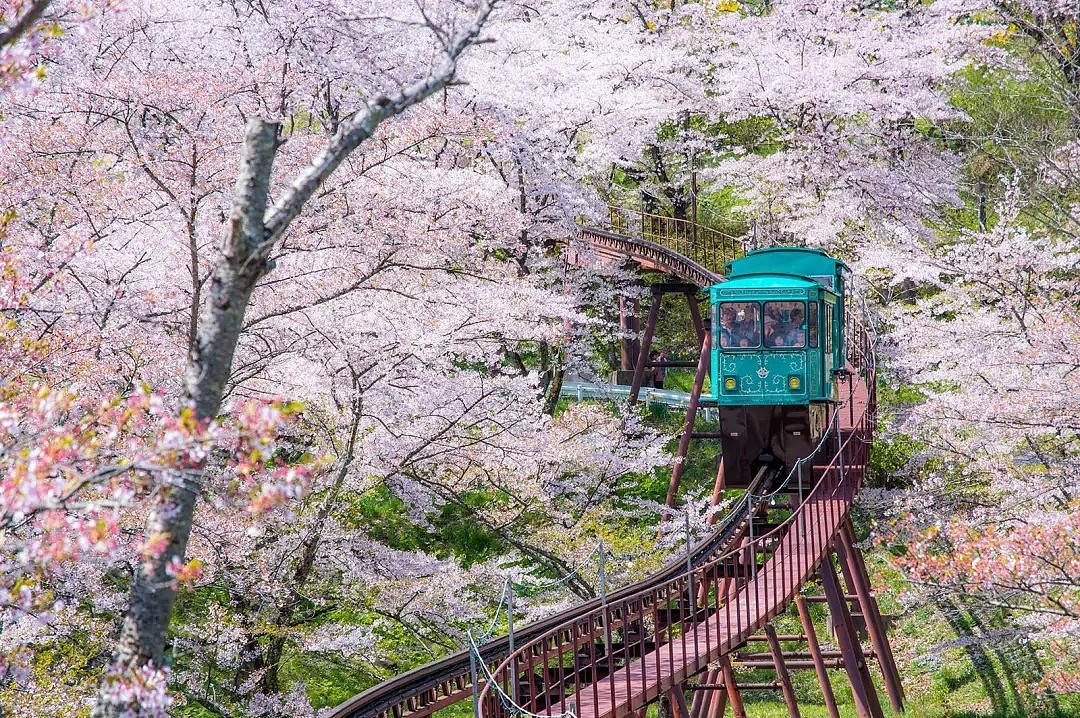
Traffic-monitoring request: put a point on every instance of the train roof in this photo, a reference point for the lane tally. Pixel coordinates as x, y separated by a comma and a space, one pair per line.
771, 280
797, 261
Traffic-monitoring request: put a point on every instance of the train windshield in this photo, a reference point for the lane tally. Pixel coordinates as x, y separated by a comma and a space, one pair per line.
785, 324
740, 327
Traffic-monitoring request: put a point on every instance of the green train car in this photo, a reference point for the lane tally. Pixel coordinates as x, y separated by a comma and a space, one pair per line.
778, 353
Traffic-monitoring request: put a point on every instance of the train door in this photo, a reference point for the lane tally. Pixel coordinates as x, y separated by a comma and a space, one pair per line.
828, 347
815, 368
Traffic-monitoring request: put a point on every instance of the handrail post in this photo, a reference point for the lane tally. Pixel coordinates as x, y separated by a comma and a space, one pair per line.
840, 448
605, 625
473, 675
690, 569
750, 525
510, 628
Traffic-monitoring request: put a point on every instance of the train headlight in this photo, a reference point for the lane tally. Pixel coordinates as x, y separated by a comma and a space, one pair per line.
730, 383
794, 383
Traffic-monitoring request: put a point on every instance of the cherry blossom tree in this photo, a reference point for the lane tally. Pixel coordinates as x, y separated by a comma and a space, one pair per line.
410, 305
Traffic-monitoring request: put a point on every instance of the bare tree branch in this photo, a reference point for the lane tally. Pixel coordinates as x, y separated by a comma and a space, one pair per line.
22, 26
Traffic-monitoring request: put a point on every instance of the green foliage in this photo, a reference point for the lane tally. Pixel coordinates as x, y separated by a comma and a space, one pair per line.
1013, 122
455, 531
326, 679
889, 457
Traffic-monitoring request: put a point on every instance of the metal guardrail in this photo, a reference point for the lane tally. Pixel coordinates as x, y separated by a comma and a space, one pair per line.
424, 690
581, 390
436, 685
702, 612
708, 247
650, 255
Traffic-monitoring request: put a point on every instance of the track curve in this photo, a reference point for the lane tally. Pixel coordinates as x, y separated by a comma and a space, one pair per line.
608, 659
435, 685
672, 628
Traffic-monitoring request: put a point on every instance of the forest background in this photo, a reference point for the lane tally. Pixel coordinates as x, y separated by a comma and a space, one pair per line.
286, 318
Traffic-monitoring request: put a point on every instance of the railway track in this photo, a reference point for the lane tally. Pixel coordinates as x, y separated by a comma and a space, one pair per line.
433, 686
611, 657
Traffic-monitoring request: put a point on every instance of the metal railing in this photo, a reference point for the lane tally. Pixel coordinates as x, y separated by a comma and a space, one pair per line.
446, 681
709, 247
615, 657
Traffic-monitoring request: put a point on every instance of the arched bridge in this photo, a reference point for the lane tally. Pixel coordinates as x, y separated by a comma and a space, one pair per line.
683, 634
678, 247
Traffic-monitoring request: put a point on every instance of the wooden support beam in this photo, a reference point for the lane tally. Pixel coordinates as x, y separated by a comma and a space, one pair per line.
688, 425
849, 597
717, 705
857, 578
675, 288
678, 702
635, 327
792, 665
782, 674
717, 493
738, 710
873, 612
700, 703
765, 686
867, 704
788, 656
643, 354
626, 342
695, 316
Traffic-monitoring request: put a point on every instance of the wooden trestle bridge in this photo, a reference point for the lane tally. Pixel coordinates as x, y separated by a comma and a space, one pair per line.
683, 633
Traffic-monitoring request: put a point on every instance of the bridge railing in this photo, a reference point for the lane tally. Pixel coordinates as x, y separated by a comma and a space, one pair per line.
675, 626
709, 247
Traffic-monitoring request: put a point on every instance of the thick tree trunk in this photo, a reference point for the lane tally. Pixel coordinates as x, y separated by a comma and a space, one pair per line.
244, 260
22, 27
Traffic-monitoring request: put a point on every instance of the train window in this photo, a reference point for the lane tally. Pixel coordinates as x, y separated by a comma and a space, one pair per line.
828, 327
785, 324
825, 280
739, 325
812, 325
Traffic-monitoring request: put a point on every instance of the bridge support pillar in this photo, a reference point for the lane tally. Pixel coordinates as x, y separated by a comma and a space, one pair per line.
863, 691
717, 705
700, 703
815, 654
688, 425
629, 326
782, 674
677, 698
855, 572
695, 316
646, 342
738, 710
658, 291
